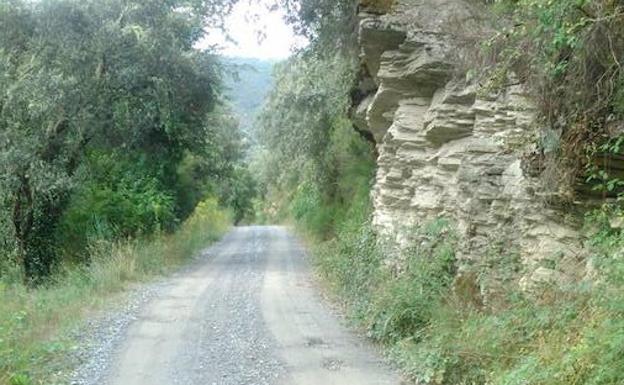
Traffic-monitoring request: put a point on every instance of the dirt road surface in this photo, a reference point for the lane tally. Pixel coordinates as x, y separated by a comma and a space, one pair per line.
247, 314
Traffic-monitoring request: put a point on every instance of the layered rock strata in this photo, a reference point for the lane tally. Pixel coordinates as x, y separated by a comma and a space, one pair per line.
445, 150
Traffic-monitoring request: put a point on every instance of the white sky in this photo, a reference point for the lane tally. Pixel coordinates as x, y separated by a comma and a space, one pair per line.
248, 21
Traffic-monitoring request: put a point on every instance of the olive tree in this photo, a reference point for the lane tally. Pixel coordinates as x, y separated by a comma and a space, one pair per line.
98, 74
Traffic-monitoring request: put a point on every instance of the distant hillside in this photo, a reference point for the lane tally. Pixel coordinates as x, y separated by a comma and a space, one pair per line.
248, 87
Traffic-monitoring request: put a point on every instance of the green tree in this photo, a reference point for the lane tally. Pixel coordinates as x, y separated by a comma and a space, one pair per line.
110, 76
314, 164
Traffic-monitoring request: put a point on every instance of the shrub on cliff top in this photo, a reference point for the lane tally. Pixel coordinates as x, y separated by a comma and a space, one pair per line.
569, 53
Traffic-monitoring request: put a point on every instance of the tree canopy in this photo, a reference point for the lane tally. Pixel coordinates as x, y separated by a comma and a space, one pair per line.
106, 104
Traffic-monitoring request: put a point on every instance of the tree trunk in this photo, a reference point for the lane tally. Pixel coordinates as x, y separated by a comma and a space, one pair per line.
23, 218
35, 221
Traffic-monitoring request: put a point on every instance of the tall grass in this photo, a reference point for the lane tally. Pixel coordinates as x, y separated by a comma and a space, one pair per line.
414, 306
34, 323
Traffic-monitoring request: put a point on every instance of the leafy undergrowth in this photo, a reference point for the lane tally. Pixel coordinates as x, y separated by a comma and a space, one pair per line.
558, 335
34, 323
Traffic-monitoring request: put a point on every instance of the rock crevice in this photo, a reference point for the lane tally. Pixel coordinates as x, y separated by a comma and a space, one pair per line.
447, 151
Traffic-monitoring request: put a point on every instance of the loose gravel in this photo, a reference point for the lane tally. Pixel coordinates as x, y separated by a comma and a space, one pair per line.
246, 313
101, 336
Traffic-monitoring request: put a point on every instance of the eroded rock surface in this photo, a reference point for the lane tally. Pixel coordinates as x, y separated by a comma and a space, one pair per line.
445, 150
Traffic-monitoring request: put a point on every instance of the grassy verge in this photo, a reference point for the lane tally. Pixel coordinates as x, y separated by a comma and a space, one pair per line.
439, 332
34, 322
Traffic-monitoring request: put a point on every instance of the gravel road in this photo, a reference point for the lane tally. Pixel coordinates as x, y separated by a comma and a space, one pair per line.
247, 313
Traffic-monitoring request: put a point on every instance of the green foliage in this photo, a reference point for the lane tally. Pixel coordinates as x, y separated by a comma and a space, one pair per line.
213, 168
20, 379
352, 276
403, 306
607, 240
238, 193
309, 103
326, 189
119, 199
397, 300
410, 303
306, 200
312, 161
330, 25
601, 173
106, 109
309, 94
574, 71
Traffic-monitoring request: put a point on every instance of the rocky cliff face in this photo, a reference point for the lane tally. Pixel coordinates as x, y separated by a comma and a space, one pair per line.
447, 151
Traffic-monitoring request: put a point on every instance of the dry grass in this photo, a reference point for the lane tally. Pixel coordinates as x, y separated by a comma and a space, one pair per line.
34, 342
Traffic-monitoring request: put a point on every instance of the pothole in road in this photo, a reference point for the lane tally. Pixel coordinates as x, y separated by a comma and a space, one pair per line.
332, 364
314, 341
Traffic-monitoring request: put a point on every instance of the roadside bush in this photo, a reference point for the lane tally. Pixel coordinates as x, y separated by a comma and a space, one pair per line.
393, 300
350, 262
405, 300
120, 198
551, 336
308, 209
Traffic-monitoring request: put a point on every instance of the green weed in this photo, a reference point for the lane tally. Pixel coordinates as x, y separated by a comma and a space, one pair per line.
559, 336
